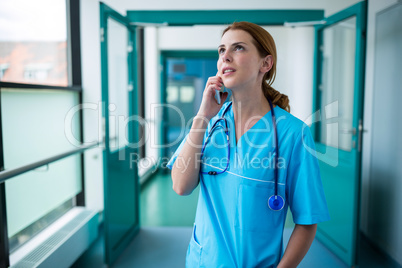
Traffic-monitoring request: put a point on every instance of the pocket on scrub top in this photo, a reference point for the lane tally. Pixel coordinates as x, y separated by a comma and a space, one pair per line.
193, 258
252, 211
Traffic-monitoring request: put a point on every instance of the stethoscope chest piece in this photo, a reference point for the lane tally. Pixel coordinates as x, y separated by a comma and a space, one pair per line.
276, 202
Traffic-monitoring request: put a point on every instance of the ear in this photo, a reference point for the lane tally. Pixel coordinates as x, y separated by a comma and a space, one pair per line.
267, 64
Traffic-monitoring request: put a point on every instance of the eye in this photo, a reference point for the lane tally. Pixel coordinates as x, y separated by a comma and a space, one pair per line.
238, 48
221, 50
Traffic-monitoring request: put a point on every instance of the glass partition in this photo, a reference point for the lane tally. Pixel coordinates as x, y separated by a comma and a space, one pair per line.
337, 88
118, 84
38, 124
37, 198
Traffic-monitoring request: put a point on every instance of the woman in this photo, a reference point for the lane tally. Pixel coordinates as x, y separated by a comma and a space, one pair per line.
236, 225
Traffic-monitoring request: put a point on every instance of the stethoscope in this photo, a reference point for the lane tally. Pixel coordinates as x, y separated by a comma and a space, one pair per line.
275, 202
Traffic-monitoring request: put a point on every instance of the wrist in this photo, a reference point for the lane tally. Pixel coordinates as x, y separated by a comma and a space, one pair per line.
201, 118
200, 122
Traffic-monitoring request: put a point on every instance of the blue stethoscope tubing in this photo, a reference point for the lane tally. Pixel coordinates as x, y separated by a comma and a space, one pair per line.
275, 202
215, 126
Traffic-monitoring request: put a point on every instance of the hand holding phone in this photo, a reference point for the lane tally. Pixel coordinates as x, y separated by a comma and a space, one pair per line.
218, 92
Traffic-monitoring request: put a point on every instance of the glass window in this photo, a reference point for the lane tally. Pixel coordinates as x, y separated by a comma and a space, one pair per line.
172, 94
37, 198
187, 94
33, 42
118, 84
38, 124
337, 87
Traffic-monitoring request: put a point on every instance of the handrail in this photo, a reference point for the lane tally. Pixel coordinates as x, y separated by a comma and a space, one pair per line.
8, 174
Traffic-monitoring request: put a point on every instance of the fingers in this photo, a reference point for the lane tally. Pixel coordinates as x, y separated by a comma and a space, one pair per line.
216, 78
216, 82
210, 90
213, 86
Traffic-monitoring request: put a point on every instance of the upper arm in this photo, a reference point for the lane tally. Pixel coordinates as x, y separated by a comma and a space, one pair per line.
304, 187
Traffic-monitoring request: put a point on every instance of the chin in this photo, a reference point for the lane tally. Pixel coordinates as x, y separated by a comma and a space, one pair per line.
229, 84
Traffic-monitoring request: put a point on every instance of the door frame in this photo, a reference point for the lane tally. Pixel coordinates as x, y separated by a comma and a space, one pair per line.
106, 12
358, 10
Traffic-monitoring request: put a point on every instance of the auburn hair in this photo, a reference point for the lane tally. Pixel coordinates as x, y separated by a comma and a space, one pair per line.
265, 45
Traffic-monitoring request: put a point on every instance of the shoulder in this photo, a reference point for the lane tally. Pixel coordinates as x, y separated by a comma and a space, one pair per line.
295, 137
289, 124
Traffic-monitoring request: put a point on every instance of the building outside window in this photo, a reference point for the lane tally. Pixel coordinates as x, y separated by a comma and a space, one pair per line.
33, 42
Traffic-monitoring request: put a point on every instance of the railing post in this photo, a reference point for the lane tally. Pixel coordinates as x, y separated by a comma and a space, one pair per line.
4, 249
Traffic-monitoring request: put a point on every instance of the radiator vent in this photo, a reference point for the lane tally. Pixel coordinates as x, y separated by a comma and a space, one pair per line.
56, 249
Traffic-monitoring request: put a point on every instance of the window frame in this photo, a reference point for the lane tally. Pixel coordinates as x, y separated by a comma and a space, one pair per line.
75, 85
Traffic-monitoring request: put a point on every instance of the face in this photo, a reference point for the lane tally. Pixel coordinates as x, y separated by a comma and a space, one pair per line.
240, 65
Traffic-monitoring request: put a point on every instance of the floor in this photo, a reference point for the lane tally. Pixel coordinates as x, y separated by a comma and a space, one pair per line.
161, 206
166, 224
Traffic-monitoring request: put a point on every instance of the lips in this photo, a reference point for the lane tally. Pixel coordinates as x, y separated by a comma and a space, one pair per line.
228, 70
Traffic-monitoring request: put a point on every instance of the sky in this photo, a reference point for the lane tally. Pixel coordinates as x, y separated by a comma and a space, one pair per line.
28, 20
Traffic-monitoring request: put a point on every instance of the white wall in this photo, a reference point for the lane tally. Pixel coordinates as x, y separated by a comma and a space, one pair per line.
91, 83
152, 92
381, 217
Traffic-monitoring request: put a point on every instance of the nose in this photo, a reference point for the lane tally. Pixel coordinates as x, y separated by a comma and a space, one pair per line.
226, 57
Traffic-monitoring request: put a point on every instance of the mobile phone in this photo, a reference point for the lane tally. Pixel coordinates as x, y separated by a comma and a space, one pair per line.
218, 96
218, 92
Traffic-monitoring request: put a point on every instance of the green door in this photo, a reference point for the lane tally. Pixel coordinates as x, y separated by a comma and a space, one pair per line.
121, 190
184, 76
338, 98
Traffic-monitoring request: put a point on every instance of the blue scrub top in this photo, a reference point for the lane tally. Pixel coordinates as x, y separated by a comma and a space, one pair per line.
234, 227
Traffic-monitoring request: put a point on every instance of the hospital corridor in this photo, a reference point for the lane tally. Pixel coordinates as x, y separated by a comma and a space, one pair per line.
103, 105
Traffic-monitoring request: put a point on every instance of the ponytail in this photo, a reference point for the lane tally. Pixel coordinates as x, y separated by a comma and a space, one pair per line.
275, 96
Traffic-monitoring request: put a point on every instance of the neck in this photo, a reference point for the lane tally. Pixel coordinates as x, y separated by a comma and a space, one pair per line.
249, 103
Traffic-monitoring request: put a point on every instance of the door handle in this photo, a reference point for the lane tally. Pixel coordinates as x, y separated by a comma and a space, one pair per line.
348, 131
361, 131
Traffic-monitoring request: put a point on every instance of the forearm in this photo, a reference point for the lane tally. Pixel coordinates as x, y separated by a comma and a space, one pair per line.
185, 172
298, 245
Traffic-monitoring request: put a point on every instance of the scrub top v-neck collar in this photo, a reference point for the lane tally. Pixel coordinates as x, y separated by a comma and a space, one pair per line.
232, 126
238, 146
